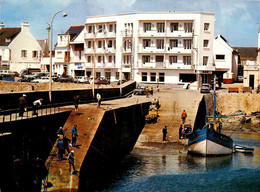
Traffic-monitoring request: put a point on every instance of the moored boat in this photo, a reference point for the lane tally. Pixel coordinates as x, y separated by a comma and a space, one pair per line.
243, 149
209, 140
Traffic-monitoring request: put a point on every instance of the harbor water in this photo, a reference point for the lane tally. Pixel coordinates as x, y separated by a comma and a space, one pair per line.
147, 171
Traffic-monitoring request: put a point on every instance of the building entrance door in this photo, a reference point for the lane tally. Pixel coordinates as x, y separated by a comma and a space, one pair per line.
252, 81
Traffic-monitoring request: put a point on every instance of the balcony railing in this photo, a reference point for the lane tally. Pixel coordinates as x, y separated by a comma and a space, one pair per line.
168, 33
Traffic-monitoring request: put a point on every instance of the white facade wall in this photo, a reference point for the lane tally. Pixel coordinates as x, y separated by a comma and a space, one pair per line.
131, 26
5, 54
223, 55
25, 41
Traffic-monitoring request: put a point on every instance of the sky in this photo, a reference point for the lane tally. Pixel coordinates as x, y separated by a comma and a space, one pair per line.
236, 20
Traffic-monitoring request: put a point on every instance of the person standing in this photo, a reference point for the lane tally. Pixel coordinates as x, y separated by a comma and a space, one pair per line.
180, 131
74, 134
164, 133
71, 162
35, 104
66, 144
22, 104
60, 147
60, 133
76, 102
183, 116
98, 100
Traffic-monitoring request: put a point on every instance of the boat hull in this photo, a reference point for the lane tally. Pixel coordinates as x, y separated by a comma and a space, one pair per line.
208, 142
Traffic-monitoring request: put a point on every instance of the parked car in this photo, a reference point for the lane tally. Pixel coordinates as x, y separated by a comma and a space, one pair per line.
140, 90
65, 78
240, 78
42, 79
81, 79
205, 88
99, 80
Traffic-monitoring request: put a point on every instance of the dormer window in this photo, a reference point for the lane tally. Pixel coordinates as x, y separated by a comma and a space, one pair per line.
8, 39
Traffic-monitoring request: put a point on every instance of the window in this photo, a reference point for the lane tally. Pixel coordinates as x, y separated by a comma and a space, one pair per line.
174, 27
23, 53
147, 27
108, 75
35, 54
220, 57
160, 27
173, 43
146, 59
188, 27
147, 43
110, 44
205, 60
89, 44
89, 59
206, 43
187, 44
187, 60
152, 76
127, 59
144, 76
117, 75
99, 44
110, 59
206, 26
110, 28
99, 59
173, 59
98, 74
100, 27
90, 29
160, 43
161, 77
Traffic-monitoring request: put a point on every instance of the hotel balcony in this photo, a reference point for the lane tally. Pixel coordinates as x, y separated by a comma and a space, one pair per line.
208, 67
175, 50
167, 33
152, 65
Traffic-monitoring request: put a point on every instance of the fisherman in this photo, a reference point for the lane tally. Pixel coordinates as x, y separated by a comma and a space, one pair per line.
164, 133
74, 134
71, 162
180, 131
60, 147
98, 100
183, 116
35, 104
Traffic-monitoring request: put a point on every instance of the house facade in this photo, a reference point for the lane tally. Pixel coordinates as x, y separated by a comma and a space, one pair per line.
19, 49
252, 69
150, 47
225, 59
67, 52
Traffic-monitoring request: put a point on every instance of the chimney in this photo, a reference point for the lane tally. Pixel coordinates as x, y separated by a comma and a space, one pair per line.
25, 26
2, 25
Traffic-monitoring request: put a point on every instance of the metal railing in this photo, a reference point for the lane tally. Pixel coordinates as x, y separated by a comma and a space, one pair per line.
12, 114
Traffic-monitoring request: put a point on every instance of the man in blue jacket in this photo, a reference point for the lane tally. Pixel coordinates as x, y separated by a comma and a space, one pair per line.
74, 135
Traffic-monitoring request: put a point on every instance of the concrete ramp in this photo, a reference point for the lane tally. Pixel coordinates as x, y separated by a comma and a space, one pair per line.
87, 119
111, 131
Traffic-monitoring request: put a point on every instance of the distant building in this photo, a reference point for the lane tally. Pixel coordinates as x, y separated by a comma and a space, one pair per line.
252, 66
68, 53
225, 59
18, 48
167, 47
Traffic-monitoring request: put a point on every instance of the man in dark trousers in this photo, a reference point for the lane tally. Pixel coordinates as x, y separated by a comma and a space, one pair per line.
22, 102
183, 116
74, 134
164, 133
60, 147
71, 162
180, 131
66, 142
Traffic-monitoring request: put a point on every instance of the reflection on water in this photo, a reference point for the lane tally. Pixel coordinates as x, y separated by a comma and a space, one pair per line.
150, 172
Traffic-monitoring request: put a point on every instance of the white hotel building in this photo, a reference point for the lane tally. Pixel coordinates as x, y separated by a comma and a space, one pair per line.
151, 47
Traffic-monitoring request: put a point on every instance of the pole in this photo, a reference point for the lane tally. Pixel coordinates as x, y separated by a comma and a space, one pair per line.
50, 82
94, 63
214, 100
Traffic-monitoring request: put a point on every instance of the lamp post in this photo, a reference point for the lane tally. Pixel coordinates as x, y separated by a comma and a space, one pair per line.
94, 62
50, 48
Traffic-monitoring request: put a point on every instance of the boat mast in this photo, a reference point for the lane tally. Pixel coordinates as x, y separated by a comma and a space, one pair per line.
214, 99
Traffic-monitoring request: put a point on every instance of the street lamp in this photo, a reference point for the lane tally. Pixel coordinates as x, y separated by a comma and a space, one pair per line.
50, 47
94, 62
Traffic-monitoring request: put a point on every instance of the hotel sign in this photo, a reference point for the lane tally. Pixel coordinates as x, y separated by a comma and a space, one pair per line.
78, 66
